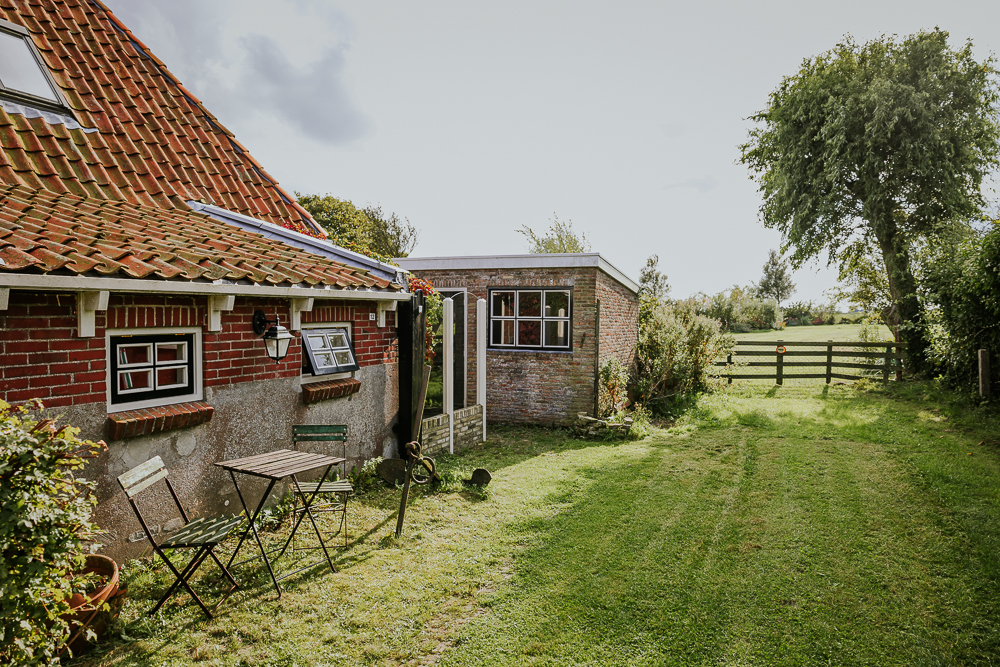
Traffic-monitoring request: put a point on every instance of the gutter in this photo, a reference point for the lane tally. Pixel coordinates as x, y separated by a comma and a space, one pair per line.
22, 281
316, 246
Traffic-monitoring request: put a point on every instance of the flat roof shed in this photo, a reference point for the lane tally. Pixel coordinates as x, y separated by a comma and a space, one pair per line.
553, 320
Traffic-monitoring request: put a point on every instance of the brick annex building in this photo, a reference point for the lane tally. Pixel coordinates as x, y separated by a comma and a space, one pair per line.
138, 238
553, 319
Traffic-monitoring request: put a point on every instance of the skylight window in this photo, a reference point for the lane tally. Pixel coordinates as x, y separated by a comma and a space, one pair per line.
21, 69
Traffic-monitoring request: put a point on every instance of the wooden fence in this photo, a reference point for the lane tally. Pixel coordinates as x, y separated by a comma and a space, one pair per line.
868, 360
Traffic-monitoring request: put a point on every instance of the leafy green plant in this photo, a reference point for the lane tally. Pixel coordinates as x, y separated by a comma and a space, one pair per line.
676, 350
366, 477
45, 527
613, 387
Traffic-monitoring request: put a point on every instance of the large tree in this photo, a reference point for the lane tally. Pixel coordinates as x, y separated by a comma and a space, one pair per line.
876, 145
369, 230
775, 282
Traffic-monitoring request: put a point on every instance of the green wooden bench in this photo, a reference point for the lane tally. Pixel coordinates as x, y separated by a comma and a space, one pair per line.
338, 491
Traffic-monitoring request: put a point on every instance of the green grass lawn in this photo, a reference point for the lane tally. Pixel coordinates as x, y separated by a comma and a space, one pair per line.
843, 525
811, 333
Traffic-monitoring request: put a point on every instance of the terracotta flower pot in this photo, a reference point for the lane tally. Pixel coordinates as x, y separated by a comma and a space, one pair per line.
86, 609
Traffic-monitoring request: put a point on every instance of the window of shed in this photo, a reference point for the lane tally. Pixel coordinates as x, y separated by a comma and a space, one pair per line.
528, 319
328, 351
22, 71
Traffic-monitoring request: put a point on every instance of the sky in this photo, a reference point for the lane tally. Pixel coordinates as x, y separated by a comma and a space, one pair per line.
472, 119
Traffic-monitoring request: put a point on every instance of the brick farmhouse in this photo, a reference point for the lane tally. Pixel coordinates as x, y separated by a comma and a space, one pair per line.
553, 319
138, 238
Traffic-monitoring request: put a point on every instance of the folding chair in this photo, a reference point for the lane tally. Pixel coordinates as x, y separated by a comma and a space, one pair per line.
202, 534
339, 490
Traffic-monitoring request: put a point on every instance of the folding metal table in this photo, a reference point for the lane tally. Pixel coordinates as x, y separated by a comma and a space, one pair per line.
275, 466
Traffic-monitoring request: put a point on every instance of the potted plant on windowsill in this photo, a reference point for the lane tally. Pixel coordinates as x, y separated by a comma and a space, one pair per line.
45, 530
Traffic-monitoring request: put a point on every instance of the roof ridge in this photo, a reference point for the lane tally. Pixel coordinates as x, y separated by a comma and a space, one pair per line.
242, 151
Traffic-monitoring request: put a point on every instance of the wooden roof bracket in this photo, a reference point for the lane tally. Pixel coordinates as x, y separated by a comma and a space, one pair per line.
383, 308
300, 306
87, 305
218, 304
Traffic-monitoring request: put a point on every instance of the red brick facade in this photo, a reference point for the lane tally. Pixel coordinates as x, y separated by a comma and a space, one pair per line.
546, 387
42, 357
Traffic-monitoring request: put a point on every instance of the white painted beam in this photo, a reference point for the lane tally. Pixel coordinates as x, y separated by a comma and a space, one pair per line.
300, 306
218, 304
87, 305
448, 334
481, 341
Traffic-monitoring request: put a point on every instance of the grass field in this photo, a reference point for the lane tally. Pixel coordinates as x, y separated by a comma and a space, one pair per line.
819, 333
844, 525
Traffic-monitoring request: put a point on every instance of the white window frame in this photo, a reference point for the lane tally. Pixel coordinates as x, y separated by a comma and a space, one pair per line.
308, 378
196, 353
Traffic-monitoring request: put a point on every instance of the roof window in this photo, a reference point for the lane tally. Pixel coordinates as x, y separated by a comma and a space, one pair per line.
23, 75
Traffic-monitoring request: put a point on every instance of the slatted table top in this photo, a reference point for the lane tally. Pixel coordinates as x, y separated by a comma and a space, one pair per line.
275, 465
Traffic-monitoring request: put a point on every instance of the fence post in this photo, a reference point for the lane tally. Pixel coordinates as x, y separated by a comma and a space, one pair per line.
729, 368
984, 374
779, 363
829, 361
888, 363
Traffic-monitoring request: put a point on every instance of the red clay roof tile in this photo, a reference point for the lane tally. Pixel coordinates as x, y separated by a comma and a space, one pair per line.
156, 144
46, 232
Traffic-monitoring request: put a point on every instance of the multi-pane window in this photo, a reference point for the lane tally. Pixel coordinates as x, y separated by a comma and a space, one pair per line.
328, 351
22, 72
531, 318
152, 369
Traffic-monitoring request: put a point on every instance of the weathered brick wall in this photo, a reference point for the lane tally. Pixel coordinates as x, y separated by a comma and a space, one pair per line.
619, 319
435, 432
42, 357
532, 387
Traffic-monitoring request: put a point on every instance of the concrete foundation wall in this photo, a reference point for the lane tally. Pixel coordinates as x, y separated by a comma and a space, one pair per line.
250, 418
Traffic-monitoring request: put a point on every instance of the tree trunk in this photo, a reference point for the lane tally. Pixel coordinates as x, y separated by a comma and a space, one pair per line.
903, 289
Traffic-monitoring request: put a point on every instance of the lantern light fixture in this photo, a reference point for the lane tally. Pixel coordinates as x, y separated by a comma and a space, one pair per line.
276, 338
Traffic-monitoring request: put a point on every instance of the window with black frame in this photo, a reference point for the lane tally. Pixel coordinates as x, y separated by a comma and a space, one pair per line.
328, 351
531, 319
152, 369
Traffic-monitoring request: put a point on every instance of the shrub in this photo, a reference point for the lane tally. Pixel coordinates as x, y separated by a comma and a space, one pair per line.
737, 310
366, 477
613, 387
676, 350
45, 525
962, 278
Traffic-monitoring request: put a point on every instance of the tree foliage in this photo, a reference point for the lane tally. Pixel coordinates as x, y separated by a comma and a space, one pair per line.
390, 236
776, 280
368, 231
876, 145
962, 281
651, 281
559, 238
864, 283
45, 521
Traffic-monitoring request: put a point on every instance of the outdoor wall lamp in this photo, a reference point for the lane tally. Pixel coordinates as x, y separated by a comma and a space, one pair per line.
276, 338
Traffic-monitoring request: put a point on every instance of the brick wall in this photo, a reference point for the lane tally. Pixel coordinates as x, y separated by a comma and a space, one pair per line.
435, 431
42, 357
619, 319
532, 387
